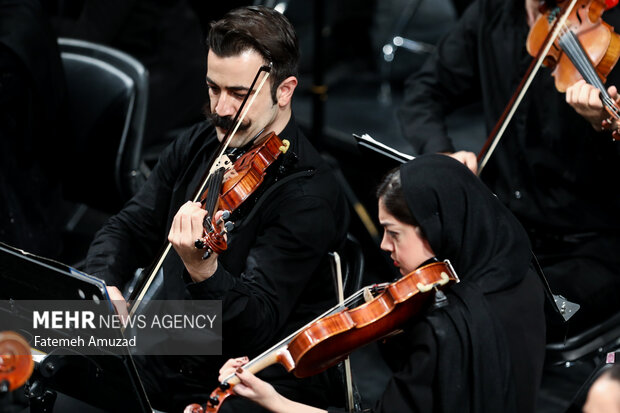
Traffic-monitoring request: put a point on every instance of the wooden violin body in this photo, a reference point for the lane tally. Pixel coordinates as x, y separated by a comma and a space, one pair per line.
601, 43
330, 339
249, 171
238, 183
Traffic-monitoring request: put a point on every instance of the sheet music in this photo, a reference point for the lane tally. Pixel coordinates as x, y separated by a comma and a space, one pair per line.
369, 142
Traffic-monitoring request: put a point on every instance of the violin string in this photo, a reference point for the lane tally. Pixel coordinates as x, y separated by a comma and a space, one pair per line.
571, 45
576, 53
214, 183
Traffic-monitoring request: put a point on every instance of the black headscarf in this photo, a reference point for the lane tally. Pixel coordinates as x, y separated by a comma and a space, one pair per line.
464, 222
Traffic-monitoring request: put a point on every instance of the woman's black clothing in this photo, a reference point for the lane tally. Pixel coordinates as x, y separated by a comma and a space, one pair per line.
484, 351
551, 168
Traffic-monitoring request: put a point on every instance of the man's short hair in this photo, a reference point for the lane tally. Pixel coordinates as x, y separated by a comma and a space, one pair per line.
261, 29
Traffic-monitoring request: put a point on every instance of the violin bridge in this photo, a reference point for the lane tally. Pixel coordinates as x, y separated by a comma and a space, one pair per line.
367, 294
223, 162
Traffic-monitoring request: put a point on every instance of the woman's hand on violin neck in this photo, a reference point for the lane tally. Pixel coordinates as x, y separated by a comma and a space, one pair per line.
185, 230
229, 368
467, 158
586, 101
259, 391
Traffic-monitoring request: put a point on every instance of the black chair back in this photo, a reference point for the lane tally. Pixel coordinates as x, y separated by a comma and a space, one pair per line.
107, 95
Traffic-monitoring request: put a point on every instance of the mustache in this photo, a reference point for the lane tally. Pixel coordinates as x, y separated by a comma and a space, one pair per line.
226, 122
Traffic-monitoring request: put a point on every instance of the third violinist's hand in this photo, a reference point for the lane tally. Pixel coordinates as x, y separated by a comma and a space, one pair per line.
467, 158
230, 367
586, 101
117, 299
186, 229
532, 9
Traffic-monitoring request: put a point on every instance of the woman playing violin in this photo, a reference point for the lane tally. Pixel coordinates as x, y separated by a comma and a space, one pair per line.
484, 350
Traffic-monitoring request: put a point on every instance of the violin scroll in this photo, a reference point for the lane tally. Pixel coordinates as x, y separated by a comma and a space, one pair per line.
217, 397
213, 239
16, 362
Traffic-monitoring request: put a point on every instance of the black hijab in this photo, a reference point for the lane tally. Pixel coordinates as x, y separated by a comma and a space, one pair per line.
464, 222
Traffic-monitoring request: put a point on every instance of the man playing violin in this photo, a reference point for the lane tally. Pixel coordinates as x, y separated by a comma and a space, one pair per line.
483, 349
274, 276
554, 168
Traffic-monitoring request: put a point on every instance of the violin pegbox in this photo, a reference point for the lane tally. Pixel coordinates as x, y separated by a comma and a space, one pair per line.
610, 124
213, 239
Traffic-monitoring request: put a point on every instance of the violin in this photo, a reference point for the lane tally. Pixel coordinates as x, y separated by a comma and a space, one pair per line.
585, 42
571, 39
238, 183
16, 362
334, 335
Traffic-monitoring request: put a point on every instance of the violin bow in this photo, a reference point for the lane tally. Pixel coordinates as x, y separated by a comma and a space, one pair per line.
500, 127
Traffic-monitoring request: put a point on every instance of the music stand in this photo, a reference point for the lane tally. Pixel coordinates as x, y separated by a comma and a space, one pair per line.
25, 276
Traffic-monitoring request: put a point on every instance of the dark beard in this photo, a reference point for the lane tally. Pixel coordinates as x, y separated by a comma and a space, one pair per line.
225, 122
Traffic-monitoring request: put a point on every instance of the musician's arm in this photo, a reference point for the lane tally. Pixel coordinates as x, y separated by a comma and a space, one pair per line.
259, 391
267, 397
131, 238
449, 79
410, 389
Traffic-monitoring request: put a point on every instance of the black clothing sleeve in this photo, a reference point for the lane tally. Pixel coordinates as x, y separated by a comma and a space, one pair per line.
410, 390
447, 80
132, 238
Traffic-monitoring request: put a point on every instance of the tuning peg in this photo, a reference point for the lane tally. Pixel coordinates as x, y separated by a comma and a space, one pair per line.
207, 254
227, 228
206, 222
224, 217
199, 243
